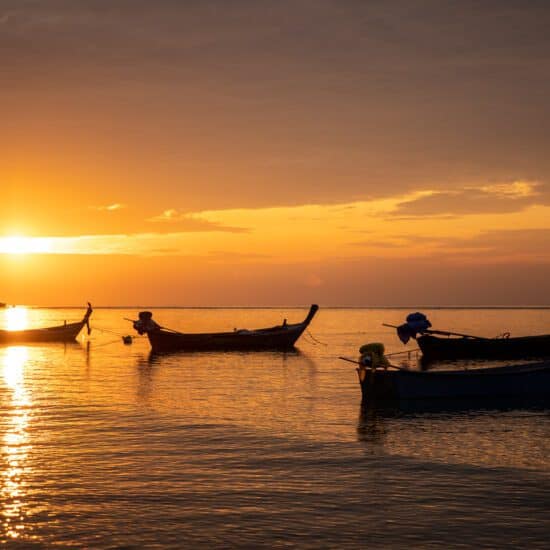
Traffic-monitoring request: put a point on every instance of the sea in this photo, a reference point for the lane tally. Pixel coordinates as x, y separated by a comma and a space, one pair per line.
103, 445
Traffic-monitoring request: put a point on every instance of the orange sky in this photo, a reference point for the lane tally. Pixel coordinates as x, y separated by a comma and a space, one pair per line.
272, 153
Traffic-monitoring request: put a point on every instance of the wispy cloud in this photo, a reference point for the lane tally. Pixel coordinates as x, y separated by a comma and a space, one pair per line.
193, 222
168, 216
512, 190
492, 198
109, 207
319, 232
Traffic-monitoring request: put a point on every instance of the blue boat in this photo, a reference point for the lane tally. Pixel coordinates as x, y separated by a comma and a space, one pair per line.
513, 381
462, 347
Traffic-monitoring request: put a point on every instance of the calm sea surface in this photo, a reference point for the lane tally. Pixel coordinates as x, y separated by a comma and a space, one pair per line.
103, 446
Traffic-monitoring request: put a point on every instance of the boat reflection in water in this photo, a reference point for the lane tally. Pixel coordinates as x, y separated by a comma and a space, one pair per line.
370, 426
15, 441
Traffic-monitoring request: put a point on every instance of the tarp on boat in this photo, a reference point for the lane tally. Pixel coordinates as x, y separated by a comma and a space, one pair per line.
415, 323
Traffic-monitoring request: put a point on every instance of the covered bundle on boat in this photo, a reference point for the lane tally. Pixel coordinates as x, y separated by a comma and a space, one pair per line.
372, 355
416, 323
145, 323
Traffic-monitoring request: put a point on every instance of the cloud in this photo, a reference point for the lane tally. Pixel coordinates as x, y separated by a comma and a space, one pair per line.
497, 198
513, 190
109, 207
192, 222
169, 215
324, 102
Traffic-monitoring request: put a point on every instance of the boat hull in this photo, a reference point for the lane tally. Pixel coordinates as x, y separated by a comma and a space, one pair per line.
280, 338
518, 381
166, 341
434, 347
62, 333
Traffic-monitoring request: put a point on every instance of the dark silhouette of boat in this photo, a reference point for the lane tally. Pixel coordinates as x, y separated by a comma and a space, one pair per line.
523, 381
280, 337
442, 344
463, 347
61, 333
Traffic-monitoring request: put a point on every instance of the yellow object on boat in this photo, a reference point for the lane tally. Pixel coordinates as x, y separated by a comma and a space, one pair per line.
372, 355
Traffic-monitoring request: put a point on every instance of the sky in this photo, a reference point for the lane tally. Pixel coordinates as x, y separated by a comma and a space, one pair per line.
276, 153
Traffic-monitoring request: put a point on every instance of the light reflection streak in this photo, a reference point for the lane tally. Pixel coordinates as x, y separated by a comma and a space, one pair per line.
15, 447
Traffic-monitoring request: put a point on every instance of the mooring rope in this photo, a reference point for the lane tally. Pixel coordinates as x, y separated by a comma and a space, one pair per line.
126, 338
108, 331
106, 343
315, 341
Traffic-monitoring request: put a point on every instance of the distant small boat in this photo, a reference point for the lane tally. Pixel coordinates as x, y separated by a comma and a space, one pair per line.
462, 347
280, 337
514, 381
61, 333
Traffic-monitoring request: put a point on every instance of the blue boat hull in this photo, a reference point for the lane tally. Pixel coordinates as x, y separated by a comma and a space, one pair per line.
518, 381
434, 348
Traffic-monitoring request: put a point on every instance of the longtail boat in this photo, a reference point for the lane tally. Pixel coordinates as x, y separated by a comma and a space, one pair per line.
442, 344
513, 381
462, 347
281, 337
61, 333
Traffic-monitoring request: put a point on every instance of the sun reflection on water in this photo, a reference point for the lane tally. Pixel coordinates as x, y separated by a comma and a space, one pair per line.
15, 447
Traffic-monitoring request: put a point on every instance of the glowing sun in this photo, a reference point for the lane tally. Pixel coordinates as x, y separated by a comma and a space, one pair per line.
24, 245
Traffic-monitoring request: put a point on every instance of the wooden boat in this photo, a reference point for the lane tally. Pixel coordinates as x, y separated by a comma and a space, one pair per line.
514, 381
280, 337
61, 333
441, 344
464, 346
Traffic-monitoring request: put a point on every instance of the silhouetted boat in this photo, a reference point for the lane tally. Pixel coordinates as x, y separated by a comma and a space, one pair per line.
61, 333
3, 305
280, 337
514, 381
435, 347
442, 344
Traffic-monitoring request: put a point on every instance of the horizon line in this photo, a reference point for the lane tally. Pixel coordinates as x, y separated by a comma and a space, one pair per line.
406, 306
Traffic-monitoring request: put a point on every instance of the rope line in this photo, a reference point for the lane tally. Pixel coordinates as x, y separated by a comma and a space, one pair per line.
315, 340
106, 343
107, 331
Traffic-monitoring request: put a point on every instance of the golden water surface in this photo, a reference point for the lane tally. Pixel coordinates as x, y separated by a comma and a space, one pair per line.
104, 445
